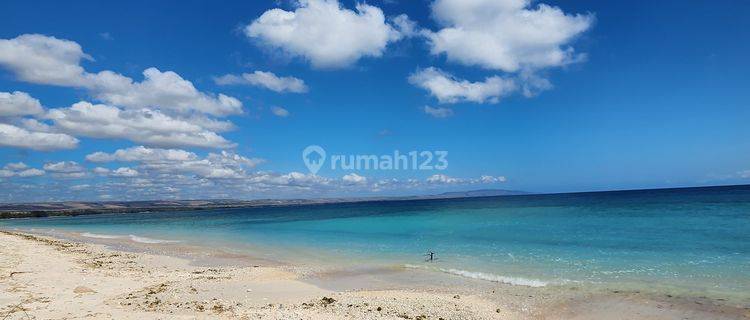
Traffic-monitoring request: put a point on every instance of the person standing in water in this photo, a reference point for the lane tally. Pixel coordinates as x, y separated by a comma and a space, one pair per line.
431, 256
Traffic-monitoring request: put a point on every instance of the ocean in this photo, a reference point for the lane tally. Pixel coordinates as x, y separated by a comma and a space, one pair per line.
692, 241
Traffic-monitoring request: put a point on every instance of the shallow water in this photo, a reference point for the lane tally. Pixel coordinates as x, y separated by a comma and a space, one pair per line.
683, 240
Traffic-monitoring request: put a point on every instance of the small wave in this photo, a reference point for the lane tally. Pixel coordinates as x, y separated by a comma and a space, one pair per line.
99, 236
486, 276
135, 238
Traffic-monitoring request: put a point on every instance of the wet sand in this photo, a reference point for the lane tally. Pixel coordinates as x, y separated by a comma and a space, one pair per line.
42, 277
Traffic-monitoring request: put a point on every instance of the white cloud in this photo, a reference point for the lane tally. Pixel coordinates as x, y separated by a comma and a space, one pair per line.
124, 172
279, 111
215, 166
491, 179
142, 154
165, 90
43, 59
12, 136
146, 126
292, 179
15, 166
448, 89
101, 171
405, 26
325, 33
507, 35
438, 112
354, 178
18, 104
63, 167
33, 172
19, 169
442, 179
264, 79
224, 165
162, 110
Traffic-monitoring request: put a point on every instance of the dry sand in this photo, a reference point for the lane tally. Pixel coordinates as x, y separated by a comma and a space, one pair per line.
47, 278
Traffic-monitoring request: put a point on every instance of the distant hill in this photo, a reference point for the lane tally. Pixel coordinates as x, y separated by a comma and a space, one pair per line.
72, 208
481, 193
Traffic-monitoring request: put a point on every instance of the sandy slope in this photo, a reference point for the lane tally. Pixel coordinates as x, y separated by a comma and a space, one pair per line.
44, 278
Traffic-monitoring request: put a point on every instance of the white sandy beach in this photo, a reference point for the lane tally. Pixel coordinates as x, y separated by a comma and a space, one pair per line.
46, 278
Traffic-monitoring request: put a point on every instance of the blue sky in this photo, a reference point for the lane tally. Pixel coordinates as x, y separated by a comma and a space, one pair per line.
618, 96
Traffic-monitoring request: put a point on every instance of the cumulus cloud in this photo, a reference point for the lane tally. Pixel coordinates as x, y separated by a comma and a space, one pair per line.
166, 90
19, 169
13, 136
101, 171
264, 79
163, 109
147, 126
14, 166
6, 173
154, 161
33, 172
507, 35
142, 154
490, 179
354, 178
438, 112
405, 26
442, 179
325, 33
65, 169
43, 59
280, 112
449, 89
18, 104
293, 179
17, 130
124, 172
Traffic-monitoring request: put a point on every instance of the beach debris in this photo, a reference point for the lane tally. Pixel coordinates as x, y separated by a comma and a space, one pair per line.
17, 308
379, 309
13, 273
326, 301
83, 290
220, 308
456, 297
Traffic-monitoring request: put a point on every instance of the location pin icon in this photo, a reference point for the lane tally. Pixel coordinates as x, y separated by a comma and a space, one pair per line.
314, 156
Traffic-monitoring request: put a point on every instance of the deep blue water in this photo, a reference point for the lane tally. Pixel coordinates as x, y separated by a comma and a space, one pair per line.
695, 239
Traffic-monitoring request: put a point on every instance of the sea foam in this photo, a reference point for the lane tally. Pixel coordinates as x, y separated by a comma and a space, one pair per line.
99, 236
135, 238
517, 281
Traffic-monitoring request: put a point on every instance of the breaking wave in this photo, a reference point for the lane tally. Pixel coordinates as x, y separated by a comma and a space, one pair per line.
135, 238
486, 276
99, 236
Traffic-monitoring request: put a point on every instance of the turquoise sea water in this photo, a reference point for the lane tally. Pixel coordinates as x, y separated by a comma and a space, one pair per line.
696, 240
